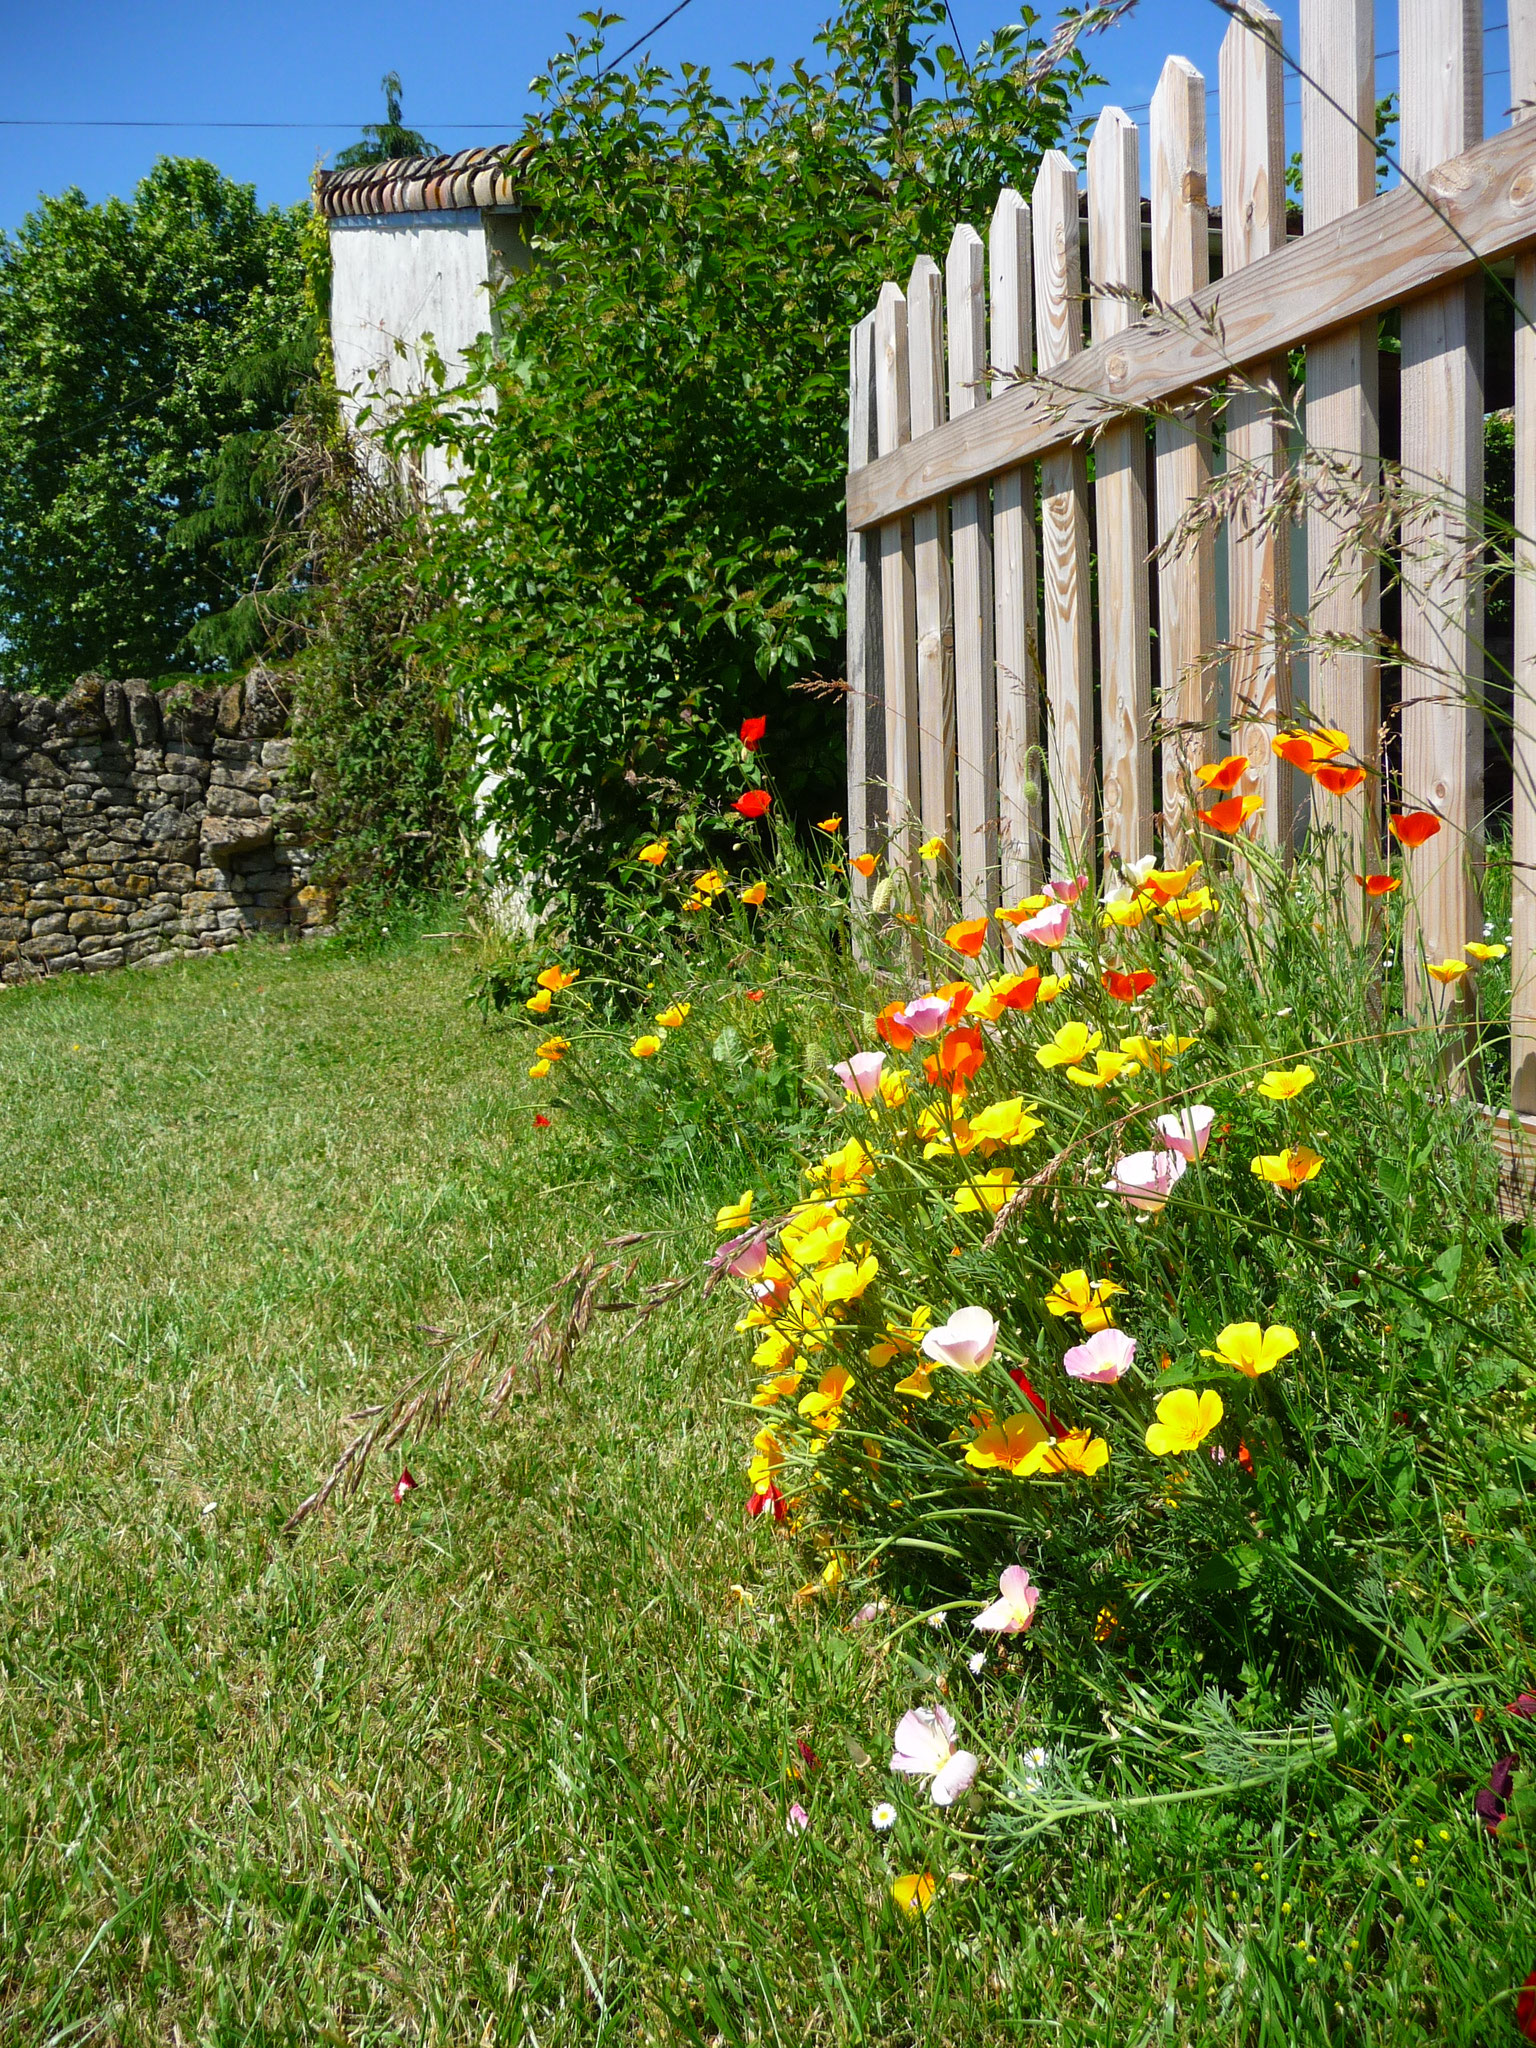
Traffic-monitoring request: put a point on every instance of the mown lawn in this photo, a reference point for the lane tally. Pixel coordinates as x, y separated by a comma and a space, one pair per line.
512, 1760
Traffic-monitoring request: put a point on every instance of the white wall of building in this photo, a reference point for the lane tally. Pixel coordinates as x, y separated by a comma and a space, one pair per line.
401, 283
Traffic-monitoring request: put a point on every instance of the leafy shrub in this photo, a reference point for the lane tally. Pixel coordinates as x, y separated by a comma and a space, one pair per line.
649, 539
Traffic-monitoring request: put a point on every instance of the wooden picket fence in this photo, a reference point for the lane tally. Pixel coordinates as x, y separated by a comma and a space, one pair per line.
973, 702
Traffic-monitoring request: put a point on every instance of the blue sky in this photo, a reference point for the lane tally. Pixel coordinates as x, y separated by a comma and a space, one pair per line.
313, 66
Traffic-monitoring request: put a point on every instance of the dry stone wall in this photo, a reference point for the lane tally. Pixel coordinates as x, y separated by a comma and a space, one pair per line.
138, 826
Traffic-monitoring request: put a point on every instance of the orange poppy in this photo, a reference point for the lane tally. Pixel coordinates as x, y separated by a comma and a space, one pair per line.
895, 1035
1225, 774
959, 1056
1338, 781
959, 994
1412, 828
1308, 750
1379, 885
1017, 991
1125, 988
866, 863
1228, 815
967, 938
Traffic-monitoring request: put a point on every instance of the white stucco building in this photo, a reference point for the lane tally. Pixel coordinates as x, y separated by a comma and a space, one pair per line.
417, 246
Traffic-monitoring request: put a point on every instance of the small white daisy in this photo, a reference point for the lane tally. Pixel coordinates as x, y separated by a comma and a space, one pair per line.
883, 1819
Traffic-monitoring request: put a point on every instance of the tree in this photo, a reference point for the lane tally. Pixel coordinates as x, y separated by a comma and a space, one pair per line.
129, 333
384, 140
648, 539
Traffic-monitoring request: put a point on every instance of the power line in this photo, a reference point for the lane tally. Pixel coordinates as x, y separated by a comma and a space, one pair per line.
478, 126
613, 62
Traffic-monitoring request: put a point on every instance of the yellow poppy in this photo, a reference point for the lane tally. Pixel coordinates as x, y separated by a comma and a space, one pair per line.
674, 1018
1250, 1350
654, 854
1051, 986
556, 978
1072, 1043
540, 1003
1126, 913
1078, 1451
1188, 909
987, 1194
1285, 1084
646, 1046
710, 883
1006, 1123
1289, 1169
901, 1339
1076, 1295
1107, 1067
1155, 1052
756, 895
931, 849
1482, 952
823, 1408
554, 1048
1184, 1420
735, 1215
914, 1893
538, 1070
895, 1085
846, 1171
828, 824
779, 1388
1025, 907
1007, 1446
1447, 972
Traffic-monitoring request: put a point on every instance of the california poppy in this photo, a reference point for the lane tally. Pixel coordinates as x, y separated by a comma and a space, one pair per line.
960, 1055
1125, 988
403, 1485
752, 730
1225, 774
541, 1122
1230, 814
1338, 781
1379, 885
1412, 828
967, 938
890, 1027
753, 804
769, 1501
866, 863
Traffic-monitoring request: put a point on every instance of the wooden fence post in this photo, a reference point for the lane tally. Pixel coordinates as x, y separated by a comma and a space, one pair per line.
971, 539
1120, 487
1064, 522
866, 707
1338, 123
1522, 1001
930, 552
1441, 76
898, 603
1186, 580
1258, 552
1015, 588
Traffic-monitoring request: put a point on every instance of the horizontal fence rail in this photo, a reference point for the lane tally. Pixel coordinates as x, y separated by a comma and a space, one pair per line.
1037, 662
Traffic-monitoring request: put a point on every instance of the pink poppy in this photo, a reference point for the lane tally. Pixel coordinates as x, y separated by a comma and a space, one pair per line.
1187, 1131
749, 1262
1067, 892
925, 1016
1145, 1180
799, 1820
1047, 927
861, 1075
1104, 1359
966, 1341
1015, 1610
403, 1485
925, 1748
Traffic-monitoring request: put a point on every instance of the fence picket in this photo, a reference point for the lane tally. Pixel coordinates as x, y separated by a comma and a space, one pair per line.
1120, 488
930, 561
1064, 522
971, 543
1186, 580
1015, 588
1441, 82
898, 600
1258, 581
1522, 1001
1338, 115
866, 708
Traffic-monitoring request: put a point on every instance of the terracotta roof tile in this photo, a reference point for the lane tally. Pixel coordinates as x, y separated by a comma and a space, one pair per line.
423, 184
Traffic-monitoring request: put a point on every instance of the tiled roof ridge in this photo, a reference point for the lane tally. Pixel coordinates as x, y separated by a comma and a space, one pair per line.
423, 184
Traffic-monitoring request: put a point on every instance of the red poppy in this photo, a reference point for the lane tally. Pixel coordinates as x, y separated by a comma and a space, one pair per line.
1525, 2008
541, 1122
1412, 828
1245, 1457
1523, 1706
1021, 1380
1125, 988
762, 1503
1379, 885
403, 1485
1338, 781
753, 995
808, 1755
1225, 774
752, 730
753, 804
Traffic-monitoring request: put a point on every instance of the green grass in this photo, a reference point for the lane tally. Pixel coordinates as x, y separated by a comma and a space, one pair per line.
512, 1761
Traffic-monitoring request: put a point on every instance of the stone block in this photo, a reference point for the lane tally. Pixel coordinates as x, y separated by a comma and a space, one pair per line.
143, 713
48, 946
155, 918
267, 917
13, 928
313, 906
91, 924
277, 755
266, 704
82, 709
177, 876
49, 924
234, 754
231, 705
169, 825
101, 963
196, 901
224, 802
232, 920
195, 765
225, 838
163, 959
180, 784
